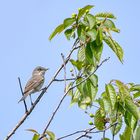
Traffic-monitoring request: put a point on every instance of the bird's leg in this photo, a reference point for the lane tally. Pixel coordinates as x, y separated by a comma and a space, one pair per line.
31, 100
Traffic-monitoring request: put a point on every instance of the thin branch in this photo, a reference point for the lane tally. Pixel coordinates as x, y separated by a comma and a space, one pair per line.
74, 133
104, 134
20, 85
64, 72
90, 132
68, 79
63, 97
24, 117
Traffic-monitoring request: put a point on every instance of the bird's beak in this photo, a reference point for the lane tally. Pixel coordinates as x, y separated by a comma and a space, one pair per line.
46, 69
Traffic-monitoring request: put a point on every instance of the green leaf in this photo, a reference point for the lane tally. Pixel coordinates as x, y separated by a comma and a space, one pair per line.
99, 120
81, 33
32, 130
68, 22
77, 64
51, 135
83, 10
70, 92
132, 108
97, 50
80, 87
136, 95
91, 20
81, 54
89, 54
57, 30
135, 88
123, 89
126, 134
36, 137
105, 15
68, 33
137, 134
118, 126
99, 37
115, 30
109, 24
75, 97
92, 34
106, 101
115, 47
111, 94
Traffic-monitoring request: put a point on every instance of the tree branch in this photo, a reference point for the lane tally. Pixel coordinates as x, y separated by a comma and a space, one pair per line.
24, 117
90, 131
63, 97
61, 80
26, 110
80, 131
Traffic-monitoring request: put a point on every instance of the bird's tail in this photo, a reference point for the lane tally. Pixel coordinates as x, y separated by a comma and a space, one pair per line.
23, 98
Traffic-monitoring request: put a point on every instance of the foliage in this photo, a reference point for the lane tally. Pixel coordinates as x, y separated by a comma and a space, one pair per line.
119, 102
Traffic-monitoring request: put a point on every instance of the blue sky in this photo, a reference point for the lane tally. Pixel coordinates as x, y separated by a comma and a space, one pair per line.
24, 30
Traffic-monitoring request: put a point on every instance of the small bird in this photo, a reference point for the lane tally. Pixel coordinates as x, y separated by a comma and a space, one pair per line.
35, 83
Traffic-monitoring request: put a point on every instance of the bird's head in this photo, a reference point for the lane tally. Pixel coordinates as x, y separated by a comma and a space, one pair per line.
39, 71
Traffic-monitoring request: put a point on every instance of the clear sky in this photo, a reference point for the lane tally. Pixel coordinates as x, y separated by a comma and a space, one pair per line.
25, 26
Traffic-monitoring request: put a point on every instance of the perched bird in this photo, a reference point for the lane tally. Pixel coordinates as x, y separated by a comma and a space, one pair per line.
35, 83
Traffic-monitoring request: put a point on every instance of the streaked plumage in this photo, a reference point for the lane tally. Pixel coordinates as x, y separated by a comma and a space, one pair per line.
35, 83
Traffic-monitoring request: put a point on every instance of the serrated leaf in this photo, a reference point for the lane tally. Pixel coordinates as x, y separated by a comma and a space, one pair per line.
132, 108
105, 15
137, 134
51, 135
35, 137
81, 54
68, 33
92, 34
32, 130
99, 37
68, 22
57, 30
91, 20
109, 24
97, 50
115, 47
136, 95
106, 101
99, 120
89, 54
126, 134
115, 30
135, 88
82, 11
123, 89
81, 34
111, 94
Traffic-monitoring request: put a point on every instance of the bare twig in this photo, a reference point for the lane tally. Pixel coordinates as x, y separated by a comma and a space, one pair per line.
20, 85
61, 80
24, 117
63, 97
80, 131
64, 72
90, 131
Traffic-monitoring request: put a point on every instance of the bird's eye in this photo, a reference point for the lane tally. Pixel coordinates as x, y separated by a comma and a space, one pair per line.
39, 69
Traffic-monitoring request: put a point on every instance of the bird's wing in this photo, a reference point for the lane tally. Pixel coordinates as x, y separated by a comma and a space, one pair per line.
33, 83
